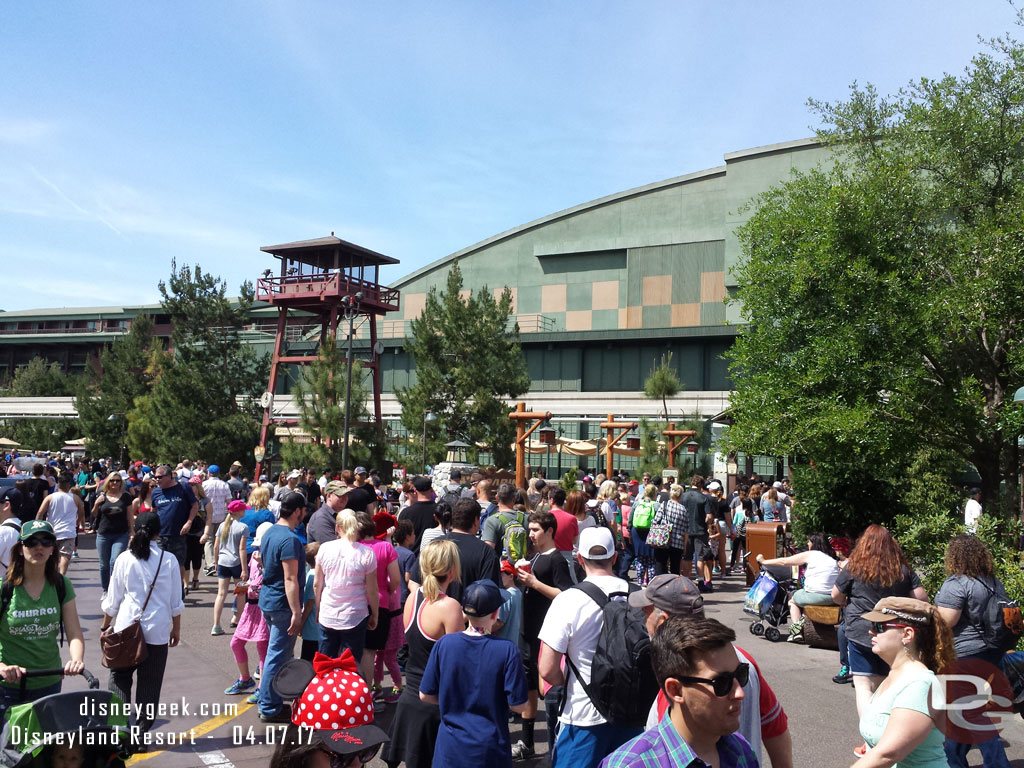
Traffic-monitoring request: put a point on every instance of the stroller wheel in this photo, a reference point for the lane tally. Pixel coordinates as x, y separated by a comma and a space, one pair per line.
757, 628
773, 634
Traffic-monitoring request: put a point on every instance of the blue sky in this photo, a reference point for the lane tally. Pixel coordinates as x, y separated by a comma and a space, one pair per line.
132, 133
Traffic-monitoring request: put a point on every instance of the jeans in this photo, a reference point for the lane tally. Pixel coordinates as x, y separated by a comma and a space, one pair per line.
625, 559
993, 754
150, 678
844, 649
109, 547
333, 642
280, 649
9, 697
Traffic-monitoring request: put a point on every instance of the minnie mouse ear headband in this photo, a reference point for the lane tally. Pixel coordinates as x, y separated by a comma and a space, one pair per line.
333, 701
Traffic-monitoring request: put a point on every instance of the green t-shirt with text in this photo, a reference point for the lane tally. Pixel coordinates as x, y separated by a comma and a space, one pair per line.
29, 632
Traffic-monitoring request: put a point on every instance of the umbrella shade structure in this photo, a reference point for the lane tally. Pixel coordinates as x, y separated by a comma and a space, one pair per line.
6, 443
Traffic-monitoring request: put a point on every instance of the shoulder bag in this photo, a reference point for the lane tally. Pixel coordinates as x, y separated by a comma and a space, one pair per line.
127, 648
661, 531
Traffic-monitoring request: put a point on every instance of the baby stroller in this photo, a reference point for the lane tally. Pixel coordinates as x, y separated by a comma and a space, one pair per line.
32, 731
768, 600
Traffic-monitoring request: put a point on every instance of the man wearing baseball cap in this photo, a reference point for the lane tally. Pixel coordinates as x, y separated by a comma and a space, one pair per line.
321, 525
219, 494
475, 698
572, 628
762, 719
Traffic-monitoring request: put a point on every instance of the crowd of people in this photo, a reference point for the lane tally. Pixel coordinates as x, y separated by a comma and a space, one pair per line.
461, 605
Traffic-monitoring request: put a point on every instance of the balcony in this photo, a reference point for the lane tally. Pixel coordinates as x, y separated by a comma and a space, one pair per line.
302, 290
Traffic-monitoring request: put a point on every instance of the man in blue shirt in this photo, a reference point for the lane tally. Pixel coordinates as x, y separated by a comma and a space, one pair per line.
284, 571
698, 672
176, 506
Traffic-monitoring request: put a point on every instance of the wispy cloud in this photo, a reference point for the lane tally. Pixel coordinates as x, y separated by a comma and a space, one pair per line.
63, 196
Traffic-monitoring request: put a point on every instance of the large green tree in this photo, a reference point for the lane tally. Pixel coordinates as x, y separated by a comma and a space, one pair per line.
883, 293
469, 363
106, 398
202, 402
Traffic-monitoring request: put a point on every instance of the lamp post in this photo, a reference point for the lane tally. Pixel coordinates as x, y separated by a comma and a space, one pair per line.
691, 448
611, 425
546, 435
682, 434
428, 417
349, 310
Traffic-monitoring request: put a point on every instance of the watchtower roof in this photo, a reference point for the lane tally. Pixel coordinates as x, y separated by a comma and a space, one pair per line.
328, 253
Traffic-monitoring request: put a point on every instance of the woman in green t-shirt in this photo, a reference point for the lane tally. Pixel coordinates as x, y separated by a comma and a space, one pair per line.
30, 625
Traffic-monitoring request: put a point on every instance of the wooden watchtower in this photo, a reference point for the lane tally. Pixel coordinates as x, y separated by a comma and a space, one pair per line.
321, 282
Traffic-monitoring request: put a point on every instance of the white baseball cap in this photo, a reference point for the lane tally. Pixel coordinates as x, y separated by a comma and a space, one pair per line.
597, 537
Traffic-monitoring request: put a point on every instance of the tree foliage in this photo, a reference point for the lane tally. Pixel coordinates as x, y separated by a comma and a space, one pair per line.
883, 293
123, 376
469, 363
320, 395
663, 383
40, 378
192, 409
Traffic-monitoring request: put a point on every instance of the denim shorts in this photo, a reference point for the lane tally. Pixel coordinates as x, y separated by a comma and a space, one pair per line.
229, 571
864, 662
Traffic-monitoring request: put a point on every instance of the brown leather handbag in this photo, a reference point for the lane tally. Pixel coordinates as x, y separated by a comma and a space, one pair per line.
127, 648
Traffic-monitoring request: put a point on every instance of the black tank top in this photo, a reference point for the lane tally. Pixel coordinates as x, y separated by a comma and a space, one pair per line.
419, 646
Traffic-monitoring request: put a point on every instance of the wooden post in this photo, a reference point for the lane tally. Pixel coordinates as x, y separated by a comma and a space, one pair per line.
682, 434
611, 425
521, 417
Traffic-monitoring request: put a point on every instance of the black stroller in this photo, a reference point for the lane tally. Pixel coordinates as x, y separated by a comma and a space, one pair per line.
32, 731
773, 610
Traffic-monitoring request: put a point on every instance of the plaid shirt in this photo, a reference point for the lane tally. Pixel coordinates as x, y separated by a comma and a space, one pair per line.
674, 514
663, 747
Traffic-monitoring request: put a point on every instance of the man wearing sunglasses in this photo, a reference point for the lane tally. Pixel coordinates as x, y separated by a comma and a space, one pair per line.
696, 666
176, 506
762, 719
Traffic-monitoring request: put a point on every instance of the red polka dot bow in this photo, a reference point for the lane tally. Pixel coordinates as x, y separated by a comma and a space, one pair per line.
336, 697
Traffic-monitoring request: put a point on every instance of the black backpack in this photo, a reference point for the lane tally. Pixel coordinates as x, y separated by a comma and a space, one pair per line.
1001, 622
450, 497
622, 683
7, 594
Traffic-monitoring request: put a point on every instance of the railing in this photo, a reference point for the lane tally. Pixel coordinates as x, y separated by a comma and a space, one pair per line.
319, 286
534, 323
35, 331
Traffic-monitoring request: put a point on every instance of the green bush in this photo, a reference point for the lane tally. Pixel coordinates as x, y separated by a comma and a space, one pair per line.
841, 499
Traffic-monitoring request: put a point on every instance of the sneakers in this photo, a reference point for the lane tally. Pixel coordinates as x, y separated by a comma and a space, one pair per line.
844, 676
216, 630
75, 554
520, 751
240, 686
705, 586
393, 695
258, 673
252, 698
283, 715
377, 692
796, 632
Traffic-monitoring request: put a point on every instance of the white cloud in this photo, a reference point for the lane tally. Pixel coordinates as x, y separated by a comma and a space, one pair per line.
26, 132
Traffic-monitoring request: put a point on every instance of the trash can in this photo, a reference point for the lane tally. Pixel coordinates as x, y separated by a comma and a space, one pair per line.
766, 539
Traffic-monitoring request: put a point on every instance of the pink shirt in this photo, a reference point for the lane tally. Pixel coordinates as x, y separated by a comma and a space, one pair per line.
385, 554
567, 531
345, 565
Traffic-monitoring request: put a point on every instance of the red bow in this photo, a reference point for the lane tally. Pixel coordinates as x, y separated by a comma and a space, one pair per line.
323, 664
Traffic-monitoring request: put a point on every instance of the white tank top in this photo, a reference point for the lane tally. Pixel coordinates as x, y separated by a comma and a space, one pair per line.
63, 515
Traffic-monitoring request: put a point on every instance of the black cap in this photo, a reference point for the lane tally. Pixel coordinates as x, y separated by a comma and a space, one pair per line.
14, 496
421, 483
481, 598
292, 501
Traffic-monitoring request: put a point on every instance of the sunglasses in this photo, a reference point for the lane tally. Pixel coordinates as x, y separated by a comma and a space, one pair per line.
722, 684
40, 541
878, 627
345, 761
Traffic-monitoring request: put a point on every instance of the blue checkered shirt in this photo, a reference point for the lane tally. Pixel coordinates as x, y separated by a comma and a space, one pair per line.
663, 747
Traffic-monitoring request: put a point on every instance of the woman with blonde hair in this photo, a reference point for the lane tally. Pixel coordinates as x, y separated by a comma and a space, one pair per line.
669, 558
429, 614
897, 724
346, 589
113, 514
232, 563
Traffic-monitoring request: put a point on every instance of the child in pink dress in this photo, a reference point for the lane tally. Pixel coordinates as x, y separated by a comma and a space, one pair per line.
251, 627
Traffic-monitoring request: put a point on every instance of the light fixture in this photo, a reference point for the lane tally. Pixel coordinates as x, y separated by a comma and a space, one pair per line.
456, 452
1018, 396
633, 443
546, 433
691, 447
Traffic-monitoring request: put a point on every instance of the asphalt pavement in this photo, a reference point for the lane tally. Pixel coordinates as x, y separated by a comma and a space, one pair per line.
207, 728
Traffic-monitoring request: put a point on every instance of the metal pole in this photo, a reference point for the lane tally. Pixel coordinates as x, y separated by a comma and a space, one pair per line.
348, 387
124, 428
424, 470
